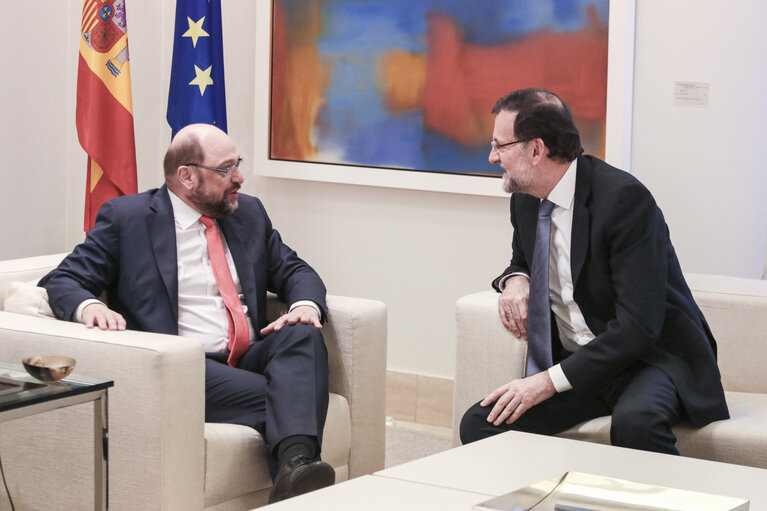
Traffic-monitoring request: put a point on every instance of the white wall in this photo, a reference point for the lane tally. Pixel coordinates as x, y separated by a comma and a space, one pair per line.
707, 167
702, 165
416, 251
35, 96
43, 177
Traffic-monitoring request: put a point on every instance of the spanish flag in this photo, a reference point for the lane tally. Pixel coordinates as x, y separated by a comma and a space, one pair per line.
104, 107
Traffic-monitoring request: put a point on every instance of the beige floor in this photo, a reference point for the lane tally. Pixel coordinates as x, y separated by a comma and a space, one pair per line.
419, 416
408, 441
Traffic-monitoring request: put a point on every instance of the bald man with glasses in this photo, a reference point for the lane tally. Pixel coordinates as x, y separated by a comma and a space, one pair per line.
195, 258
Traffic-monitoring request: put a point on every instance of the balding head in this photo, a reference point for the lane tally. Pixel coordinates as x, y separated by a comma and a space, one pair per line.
196, 166
542, 114
186, 147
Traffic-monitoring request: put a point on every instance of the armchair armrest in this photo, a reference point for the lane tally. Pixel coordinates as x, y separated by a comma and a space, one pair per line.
487, 355
355, 335
156, 419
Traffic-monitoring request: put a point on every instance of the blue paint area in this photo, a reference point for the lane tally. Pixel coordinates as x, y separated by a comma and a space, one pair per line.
353, 97
445, 155
372, 26
356, 34
385, 24
391, 142
400, 141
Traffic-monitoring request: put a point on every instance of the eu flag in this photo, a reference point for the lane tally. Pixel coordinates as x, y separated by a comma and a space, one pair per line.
197, 73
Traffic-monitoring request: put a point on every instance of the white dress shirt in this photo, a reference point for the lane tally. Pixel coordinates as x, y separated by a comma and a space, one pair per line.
573, 331
201, 310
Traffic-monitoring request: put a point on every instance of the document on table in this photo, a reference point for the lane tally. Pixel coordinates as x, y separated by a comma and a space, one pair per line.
578, 491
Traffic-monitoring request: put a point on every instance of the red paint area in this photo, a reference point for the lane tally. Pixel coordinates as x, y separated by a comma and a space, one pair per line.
464, 80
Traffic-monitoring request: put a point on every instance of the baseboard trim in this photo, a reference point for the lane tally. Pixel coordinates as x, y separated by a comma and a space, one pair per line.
419, 398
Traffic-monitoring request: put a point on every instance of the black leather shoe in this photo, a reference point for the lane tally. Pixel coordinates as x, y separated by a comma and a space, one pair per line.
301, 475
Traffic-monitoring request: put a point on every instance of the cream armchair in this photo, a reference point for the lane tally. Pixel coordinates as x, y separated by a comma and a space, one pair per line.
736, 310
162, 456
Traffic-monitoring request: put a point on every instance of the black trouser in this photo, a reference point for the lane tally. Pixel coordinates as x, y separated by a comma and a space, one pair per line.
280, 386
643, 402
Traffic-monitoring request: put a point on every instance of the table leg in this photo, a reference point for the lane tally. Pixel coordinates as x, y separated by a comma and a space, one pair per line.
100, 452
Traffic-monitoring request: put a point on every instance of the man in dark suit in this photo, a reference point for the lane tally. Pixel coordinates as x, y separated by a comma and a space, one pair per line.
149, 253
622, 334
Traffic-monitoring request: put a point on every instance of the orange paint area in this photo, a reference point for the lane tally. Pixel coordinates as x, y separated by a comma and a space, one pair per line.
403, 81
298, 82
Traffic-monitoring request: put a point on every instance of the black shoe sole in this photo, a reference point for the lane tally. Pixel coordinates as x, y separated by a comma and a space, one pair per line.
305, 479
312, 477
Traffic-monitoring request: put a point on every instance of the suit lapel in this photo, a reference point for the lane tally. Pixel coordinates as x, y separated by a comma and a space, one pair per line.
162, 232
580, 233
527, 221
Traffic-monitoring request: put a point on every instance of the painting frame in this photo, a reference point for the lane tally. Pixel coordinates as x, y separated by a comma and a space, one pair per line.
620, 76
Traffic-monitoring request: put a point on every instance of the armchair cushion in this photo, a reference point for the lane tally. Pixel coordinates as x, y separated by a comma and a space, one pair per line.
230, 450
740, 439
27, 298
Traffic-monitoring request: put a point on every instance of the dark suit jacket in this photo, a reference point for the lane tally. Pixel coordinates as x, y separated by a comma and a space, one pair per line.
131, 254
630, 289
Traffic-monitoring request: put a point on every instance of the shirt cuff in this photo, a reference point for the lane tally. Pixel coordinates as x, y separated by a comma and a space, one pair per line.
84, 304
306, 302
502, 282
558, 378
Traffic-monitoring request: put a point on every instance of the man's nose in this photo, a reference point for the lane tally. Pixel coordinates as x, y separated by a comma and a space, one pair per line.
237, 176
493, 157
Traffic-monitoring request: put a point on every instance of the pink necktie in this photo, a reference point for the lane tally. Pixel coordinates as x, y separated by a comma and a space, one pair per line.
239, 335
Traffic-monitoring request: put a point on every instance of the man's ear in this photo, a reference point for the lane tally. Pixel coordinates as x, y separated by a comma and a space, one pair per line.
538, 150
186, 178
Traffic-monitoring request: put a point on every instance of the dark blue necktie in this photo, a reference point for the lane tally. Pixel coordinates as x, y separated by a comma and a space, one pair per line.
538, 305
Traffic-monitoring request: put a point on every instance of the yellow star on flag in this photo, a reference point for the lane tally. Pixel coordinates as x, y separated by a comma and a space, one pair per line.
195, 30
202, 78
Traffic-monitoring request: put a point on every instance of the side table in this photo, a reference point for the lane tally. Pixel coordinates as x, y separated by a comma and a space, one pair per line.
22, 396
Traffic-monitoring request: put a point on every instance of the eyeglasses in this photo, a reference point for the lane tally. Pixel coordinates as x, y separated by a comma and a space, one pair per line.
495, 146
224, 170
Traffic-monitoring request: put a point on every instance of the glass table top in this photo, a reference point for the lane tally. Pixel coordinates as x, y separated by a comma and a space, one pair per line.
18, 388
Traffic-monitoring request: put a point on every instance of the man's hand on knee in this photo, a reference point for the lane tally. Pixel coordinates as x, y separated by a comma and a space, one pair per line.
518, 396
302, 314
98, 314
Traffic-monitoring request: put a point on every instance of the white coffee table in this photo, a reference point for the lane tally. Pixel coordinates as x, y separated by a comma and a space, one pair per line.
512, 460
372, 493
461, 477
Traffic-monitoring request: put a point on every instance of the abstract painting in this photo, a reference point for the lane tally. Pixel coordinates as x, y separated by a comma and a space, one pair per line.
409, 84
